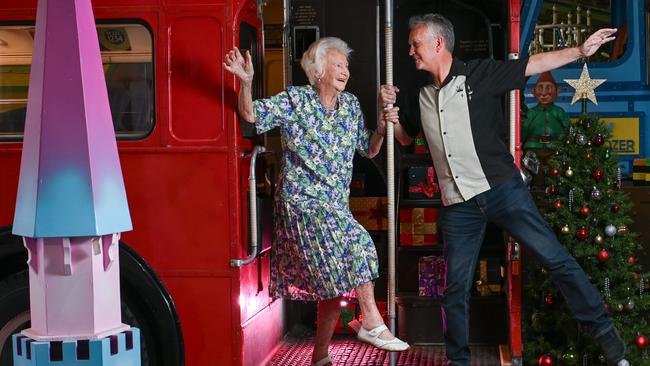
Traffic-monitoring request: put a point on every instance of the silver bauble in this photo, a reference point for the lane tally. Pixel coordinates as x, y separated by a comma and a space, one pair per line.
610, 230
596, 194
581, 139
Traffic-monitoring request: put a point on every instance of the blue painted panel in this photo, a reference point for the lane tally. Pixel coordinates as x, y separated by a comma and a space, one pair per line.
631, 67
625, 93
34, 353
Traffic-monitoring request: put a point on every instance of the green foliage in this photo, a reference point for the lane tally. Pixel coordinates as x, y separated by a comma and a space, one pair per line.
576, 198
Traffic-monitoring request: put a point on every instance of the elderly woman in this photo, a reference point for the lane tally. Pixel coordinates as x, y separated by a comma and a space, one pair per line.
320, 251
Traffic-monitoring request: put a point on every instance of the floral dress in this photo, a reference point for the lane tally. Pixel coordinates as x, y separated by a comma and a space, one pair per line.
319, 251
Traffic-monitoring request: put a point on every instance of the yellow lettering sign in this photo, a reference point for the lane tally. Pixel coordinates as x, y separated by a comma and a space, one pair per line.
625, 137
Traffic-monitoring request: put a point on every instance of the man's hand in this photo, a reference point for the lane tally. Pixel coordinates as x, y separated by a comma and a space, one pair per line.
599, 38
239, 66
391, 115
387, 96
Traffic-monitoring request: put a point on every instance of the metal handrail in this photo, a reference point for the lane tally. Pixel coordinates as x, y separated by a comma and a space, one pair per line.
252, 198
13, 101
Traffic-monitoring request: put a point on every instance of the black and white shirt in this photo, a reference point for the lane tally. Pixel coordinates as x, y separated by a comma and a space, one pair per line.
464, 124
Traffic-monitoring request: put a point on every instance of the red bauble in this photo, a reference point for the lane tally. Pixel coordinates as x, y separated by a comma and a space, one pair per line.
588, 155
615, 207
555, 171
582, 233
548, 299
597, 174
551, 190
631, 260
545, 360
603, 255
585, 211
557, 205
641, 341
598, 140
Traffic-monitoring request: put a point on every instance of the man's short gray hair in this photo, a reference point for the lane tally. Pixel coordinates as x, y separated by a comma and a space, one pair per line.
438, 25
313, 60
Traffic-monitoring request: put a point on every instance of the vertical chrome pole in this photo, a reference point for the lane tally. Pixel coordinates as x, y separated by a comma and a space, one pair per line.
287, 44
390, 162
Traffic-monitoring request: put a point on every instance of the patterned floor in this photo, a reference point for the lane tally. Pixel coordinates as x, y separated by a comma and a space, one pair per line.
345, 350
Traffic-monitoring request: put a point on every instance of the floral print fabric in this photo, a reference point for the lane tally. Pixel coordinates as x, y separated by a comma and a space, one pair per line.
320, 251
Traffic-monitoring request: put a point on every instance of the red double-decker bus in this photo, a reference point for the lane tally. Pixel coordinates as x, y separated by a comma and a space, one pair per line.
186, 169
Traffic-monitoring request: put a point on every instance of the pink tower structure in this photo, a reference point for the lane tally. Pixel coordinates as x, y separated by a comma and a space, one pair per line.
71, 205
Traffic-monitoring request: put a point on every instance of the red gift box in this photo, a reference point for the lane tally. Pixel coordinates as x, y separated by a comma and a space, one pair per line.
420, 144
358, 184
418, 226
422, 182
371, 212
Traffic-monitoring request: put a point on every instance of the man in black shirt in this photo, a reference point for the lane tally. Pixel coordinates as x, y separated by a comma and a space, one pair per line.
460, 113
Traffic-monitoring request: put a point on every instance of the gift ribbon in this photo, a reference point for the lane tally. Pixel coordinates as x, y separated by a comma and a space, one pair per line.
378, 213
357, 184
428, 188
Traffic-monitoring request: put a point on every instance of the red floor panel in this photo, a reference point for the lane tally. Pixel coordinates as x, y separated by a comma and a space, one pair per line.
347, 351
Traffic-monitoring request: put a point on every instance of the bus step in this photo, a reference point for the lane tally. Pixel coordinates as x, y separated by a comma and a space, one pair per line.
346, 350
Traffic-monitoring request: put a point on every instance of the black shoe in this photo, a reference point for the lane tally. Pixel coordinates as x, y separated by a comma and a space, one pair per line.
613, 347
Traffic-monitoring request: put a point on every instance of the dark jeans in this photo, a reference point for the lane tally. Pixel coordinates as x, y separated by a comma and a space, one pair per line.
510, 207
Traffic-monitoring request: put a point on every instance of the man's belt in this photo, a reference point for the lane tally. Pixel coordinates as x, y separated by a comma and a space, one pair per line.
543, 139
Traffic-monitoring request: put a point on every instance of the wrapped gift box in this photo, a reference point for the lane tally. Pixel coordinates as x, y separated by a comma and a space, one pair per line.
358, 184
371, 212
347, 313
494, 274
422, 182
641, 172
489, 276
420, 144
431, 276
418, 226
383, 311
353, 311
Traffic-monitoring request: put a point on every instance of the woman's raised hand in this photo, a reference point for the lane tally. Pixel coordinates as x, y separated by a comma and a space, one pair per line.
239, 65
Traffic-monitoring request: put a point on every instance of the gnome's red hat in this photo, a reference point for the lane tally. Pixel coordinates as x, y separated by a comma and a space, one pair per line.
546, 76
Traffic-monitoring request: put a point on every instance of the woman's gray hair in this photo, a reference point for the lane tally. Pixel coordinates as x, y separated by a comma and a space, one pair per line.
438, 25
313, 60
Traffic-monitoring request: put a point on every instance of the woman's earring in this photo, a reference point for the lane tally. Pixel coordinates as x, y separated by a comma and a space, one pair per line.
318, 81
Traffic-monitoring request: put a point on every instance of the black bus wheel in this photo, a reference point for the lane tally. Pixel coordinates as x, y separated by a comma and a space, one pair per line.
14, 312
145, 305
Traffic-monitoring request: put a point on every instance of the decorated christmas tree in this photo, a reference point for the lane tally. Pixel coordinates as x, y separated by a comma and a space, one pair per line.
591, 216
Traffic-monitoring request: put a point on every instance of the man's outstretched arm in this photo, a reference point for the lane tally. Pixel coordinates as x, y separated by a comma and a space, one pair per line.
547, 61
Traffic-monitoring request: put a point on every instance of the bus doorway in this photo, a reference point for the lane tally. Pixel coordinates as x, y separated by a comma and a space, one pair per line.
482, 31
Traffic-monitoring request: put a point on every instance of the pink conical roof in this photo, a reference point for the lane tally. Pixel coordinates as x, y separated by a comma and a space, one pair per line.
70, 177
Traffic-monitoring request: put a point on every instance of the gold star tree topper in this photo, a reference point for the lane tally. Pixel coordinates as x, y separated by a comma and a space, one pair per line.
584, 86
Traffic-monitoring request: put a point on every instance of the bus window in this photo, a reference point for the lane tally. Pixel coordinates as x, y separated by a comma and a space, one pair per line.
565, 24
303, 36
248, 41
126, 51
